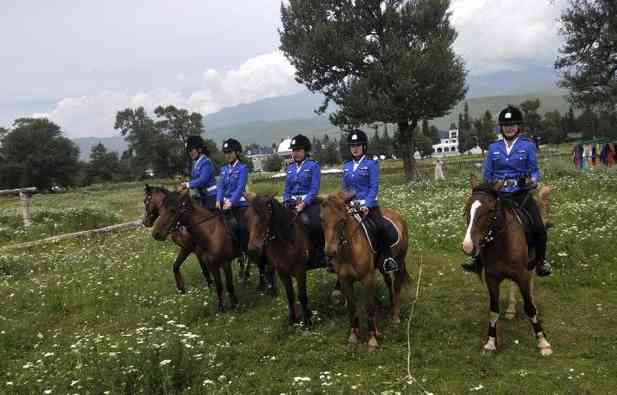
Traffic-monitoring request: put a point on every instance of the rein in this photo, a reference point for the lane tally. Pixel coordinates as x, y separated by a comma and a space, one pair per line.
495, 227
183, 210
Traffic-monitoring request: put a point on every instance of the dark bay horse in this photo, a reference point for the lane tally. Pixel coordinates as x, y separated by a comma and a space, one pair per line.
353, 260
274, 230
153, 201
207, 228
494, 231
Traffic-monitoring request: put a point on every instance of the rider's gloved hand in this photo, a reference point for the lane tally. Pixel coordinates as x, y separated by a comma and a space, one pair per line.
364, 211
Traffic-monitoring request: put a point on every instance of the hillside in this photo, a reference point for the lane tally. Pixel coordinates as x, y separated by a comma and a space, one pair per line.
269, 120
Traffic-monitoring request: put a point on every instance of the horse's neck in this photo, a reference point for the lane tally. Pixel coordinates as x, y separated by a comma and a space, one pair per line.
354, 233
203, 221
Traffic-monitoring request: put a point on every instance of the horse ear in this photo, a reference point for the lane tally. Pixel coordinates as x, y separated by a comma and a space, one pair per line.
473, 181
147, 188
497, 186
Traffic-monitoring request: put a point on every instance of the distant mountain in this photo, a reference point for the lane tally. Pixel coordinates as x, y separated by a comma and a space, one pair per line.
270, 120
85, 144
298, 106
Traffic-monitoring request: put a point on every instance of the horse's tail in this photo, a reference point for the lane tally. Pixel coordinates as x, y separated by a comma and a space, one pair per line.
543, 204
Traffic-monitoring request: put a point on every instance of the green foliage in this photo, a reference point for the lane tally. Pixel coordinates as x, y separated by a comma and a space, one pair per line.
273, 163
588, 59
36, 154
104, 166
388, 62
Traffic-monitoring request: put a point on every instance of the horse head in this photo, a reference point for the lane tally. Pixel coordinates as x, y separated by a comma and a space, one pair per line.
481, 212
334, 220
174, 207
153, 199
267, 218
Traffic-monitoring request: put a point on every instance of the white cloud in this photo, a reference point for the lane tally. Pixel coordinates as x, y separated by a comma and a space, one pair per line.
503, 35
260, 77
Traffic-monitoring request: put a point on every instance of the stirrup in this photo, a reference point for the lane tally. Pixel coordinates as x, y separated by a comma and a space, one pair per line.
390, 265
544, 269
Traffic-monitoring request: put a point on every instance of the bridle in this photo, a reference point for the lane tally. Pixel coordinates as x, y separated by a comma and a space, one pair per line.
495, 227
185, 208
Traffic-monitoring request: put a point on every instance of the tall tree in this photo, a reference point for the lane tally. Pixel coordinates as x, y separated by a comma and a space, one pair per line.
379, 61
588, 60
485, 130
177, 124
36, 154
533, 119
104, 166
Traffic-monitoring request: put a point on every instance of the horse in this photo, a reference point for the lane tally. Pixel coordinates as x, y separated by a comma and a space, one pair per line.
495, 232
275, 230
353, 259
207, 228
153, 200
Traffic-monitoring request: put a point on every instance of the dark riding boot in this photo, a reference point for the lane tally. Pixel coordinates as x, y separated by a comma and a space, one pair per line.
473, 266
543, 268
389, 264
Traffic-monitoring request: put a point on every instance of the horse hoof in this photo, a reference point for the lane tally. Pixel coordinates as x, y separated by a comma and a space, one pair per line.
220, 308
396, 320
352, 340
490, 347
373, 345
337, 297
546, 351
510, 315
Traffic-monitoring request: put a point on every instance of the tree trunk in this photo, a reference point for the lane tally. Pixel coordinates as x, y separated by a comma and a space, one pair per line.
408, 147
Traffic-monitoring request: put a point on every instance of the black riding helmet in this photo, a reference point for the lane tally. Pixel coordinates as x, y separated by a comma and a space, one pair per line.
510, 116
300, 142
232, 145
194, 141
357, 137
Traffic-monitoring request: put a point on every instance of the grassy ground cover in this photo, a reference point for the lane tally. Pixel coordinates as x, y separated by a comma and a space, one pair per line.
102, 315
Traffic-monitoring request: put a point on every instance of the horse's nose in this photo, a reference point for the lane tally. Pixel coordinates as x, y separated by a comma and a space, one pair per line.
330, 251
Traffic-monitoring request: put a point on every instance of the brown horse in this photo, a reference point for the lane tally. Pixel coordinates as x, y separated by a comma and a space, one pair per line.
494, 231
353, 260
275, 230
207, 228
153, 200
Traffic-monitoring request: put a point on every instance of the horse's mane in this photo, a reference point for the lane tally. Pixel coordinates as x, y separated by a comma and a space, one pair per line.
150, 190
336, 199
485, 187
281, 226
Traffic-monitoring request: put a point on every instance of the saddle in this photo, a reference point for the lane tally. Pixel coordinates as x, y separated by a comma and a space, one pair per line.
380, 234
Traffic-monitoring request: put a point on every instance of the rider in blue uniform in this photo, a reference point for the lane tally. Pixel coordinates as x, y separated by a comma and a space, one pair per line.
513, 161
301, 189
230, 191
361, 178
202, 175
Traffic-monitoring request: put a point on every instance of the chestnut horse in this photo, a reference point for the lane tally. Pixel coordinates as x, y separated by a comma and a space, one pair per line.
494, 231
207, 228
153, 200
276, 231
353, 260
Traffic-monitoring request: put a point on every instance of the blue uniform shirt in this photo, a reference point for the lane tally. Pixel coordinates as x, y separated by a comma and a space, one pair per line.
519, 162
302, 181
232, 184
202, 177
362, 180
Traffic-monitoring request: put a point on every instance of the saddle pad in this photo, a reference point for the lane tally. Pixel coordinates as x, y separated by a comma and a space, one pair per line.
393, 234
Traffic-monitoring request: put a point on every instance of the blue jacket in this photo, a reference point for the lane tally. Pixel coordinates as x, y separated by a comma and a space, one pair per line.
302, 181
521, 162
202, 177
362, 182
232, 184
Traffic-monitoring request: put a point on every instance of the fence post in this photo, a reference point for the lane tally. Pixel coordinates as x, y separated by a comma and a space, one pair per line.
26, 207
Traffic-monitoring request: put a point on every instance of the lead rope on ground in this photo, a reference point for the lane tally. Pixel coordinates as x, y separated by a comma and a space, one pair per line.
410, 379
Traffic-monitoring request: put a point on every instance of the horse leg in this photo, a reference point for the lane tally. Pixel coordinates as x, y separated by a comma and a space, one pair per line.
270, 280
387, 278
180, 259
370, 302
291, 297
336, 294
511, 310
302, 295
530, 309
218, 282
347, 288
247, 270
399, 279
229, 284
204, 270
493, 290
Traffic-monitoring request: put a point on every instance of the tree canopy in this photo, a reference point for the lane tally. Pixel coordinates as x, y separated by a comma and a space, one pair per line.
378, 61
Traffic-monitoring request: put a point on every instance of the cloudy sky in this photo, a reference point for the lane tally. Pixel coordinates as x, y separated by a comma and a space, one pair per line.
79, 62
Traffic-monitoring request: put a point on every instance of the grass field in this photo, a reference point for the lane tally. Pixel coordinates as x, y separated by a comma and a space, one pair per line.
103, 316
